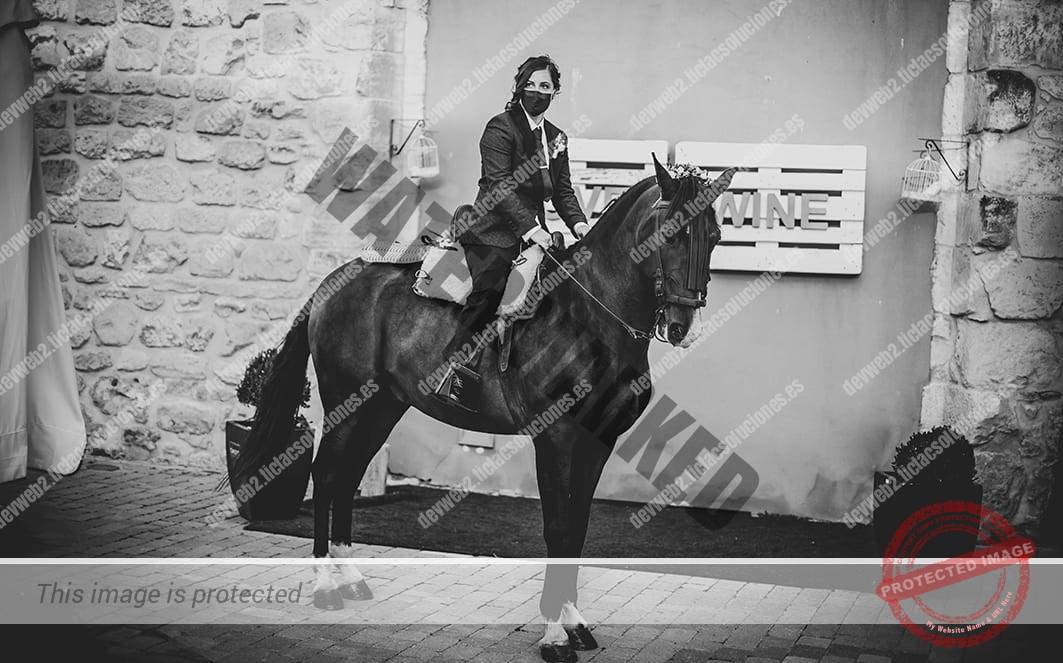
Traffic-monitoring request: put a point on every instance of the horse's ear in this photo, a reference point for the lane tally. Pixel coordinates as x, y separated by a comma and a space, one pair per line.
720, 184
664, 180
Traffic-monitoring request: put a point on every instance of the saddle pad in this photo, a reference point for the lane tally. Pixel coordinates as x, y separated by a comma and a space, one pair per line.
445, 275
395, 253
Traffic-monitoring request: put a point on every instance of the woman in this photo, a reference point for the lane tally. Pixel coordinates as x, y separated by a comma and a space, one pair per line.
40, 418
523, 164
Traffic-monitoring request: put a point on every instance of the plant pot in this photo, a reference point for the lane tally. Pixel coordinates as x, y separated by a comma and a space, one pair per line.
269, 495
913, 496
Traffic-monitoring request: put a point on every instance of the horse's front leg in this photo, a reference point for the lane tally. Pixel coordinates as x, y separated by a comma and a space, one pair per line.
553, 460
588, 461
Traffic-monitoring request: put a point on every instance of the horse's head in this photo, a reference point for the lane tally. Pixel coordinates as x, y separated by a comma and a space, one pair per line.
675, 240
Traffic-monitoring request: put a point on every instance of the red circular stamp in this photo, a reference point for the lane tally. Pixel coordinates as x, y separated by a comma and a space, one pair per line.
959, 601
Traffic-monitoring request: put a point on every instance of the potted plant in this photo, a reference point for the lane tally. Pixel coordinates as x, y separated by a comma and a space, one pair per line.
279, 492
931, 467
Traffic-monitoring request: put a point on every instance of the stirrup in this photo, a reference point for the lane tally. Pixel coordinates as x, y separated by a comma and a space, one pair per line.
460, 388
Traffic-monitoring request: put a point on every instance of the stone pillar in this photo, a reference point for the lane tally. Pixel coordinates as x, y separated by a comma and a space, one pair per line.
997, 278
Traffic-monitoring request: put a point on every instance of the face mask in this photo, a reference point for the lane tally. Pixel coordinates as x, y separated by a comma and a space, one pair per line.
534, 102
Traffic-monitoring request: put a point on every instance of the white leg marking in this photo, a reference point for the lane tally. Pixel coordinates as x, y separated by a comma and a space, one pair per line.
555, 634
570, 615
323, 579
349, 573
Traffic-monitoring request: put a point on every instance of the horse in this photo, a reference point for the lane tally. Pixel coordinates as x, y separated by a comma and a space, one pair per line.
647, 273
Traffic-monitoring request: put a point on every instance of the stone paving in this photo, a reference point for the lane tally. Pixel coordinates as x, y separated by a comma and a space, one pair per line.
128, 509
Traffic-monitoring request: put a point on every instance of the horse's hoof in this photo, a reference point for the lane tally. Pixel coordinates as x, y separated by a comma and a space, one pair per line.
358, 591
557, 653
328, 599
580, 638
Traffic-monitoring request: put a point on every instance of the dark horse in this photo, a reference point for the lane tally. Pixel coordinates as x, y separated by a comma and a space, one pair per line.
376, 329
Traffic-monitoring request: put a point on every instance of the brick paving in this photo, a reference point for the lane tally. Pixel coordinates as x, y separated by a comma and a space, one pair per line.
128, 509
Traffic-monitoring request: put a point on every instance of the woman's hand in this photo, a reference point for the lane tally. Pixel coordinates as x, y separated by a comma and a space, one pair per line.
542, 238
581, 229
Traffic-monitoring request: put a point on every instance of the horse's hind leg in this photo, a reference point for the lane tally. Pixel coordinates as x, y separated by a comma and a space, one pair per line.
327, 471
366, 437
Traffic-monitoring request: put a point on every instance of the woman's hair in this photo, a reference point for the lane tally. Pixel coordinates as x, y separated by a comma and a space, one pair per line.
525, 71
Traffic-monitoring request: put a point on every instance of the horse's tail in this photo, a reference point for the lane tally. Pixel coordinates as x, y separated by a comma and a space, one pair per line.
281, 395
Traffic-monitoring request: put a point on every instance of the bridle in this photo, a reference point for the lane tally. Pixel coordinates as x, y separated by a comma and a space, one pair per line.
695, 265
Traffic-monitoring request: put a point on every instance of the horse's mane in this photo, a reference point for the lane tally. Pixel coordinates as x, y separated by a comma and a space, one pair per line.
620, 206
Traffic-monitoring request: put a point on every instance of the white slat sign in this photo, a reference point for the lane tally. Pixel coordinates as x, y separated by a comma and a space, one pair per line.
798, 208
603, 169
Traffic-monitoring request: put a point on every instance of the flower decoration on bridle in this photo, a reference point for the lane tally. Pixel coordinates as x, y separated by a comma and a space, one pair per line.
681, 170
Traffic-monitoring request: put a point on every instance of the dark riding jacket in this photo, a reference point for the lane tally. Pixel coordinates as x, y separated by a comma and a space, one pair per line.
510, 199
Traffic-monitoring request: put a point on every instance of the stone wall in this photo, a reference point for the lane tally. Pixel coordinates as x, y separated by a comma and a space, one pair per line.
996, 354
184, 135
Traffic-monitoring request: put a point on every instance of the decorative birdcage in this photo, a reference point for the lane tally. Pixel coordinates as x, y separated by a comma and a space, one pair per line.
922, 183
423, 159
922, 180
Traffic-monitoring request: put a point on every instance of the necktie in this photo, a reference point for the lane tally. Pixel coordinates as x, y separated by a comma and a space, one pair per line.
544, 168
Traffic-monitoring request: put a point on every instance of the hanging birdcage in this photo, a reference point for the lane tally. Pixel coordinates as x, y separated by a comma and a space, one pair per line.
423, 159
922, 180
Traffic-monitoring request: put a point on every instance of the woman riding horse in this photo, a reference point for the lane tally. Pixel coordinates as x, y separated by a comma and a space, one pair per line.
523, 164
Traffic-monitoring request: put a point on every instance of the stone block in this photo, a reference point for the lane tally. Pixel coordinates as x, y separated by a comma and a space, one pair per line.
152, 12
87, 51
160, 255
1051, 86
214, 260
378, 76
92, 361
53, 141
77, 247
203, 13
92, 109
154, 217
91, 143
185, 416
113, 395
117, 324
242, 154
59, 174
222, 55
268, 262
222, 120
156, 182
136, 49
174, 86
146, 111
212, 89
127, 144
316, 79
181, 53
162, 332
202, 220
193, 148
1017, 355
44, 48
1040, 227
116, 244
213, 187
1003, 481
1012, 166
96, 12
1026, 289
1025, 33
285, 32
53, 10
1048, 123
50, 113
104, 184
239, 11
1007, 101
990, 221
96, 215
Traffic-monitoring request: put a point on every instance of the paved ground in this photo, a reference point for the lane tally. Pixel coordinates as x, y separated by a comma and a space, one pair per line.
125, 509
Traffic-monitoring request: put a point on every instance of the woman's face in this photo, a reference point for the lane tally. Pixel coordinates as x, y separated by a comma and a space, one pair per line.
540, 81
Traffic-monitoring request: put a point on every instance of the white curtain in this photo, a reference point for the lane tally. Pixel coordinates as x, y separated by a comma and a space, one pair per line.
40, 418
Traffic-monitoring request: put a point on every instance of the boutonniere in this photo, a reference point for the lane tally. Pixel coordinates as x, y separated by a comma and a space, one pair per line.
559, 146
